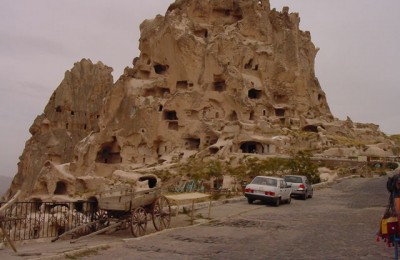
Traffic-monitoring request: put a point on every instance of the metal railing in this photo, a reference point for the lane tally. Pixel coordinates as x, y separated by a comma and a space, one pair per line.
33, 220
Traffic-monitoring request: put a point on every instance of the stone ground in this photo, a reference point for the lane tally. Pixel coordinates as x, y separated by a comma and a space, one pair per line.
340, 222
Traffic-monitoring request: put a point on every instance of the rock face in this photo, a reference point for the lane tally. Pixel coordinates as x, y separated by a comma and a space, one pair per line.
214, 78
71, 114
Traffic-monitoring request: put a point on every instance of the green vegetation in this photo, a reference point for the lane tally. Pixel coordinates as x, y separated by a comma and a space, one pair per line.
247, 168
395, 138
199, 170
341, 140
301, 164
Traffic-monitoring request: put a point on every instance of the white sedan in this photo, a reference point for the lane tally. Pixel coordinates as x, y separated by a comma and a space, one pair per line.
268, 189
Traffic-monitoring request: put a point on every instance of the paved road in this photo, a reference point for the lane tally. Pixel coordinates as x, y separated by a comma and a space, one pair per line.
340, 222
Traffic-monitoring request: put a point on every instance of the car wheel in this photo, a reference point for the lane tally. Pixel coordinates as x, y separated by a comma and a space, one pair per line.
305, 196
250, 201
277, 202
311, 195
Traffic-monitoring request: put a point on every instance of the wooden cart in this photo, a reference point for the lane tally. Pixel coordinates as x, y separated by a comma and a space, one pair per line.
132, 205
129, 206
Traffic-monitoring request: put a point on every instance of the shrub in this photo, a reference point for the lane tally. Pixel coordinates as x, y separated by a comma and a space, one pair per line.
301, 164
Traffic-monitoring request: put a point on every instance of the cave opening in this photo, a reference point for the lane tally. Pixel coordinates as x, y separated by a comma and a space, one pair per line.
254, 93
160, 69
61, 188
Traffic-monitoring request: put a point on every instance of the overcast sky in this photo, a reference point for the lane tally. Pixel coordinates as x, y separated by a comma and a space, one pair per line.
358, 64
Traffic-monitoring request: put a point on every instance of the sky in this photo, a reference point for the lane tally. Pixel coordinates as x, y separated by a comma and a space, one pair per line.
358, 64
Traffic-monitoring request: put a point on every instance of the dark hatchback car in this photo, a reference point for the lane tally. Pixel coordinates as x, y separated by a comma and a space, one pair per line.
301, 186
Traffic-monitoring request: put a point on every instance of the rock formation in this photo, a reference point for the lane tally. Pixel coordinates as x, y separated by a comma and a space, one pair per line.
71, 114
214, 78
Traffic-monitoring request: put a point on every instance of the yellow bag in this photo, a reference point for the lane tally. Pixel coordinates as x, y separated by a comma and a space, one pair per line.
389, 225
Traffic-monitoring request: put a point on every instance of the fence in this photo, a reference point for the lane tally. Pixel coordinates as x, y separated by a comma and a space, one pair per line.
33, 220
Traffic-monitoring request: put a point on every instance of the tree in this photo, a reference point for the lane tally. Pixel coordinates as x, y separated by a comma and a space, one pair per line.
193, 169
254, 167
213, 169
301, 164
238, 172
276, 166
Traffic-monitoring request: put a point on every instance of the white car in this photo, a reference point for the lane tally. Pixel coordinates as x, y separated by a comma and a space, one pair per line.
268, 189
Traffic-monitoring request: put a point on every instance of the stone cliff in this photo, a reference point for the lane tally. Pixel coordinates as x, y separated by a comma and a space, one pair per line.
71, 114
213, 79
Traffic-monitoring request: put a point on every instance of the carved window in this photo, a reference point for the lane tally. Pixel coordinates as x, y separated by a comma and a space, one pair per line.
61, 188
219, 85
109, 153
213, 150
201, 33
279, 112
254, 93
311, 128
170, 115
192, 143
249, 64
233, 116
183, 84
157, 92
251, 147
163, 91
252, 117
160, 69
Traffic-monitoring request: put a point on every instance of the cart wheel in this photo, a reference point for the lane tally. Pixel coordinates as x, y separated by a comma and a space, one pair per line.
161, 213
101, 216
138, 222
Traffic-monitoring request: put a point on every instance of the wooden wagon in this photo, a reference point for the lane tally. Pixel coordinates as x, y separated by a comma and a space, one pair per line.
128, 206
131, 206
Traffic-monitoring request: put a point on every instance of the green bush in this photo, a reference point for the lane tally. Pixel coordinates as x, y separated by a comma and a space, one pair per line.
301, 164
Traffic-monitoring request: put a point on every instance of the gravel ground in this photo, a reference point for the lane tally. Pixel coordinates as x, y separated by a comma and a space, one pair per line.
339, 222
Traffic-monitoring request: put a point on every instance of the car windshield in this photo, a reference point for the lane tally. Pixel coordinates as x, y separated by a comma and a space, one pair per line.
264, 181
294, 179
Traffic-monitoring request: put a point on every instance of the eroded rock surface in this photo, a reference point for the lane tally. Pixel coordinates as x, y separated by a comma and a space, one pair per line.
71, 114
214, 78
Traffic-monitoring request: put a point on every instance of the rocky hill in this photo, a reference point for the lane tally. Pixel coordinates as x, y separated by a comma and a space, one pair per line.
216, 79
